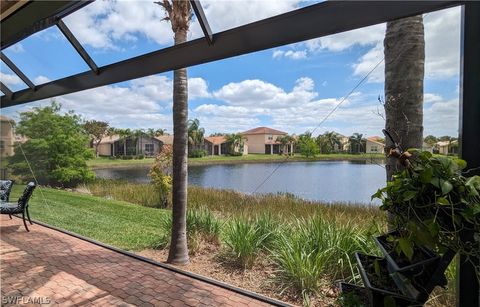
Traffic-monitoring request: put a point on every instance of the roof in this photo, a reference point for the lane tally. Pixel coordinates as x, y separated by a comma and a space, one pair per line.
376, 139
216, 140
447, 143
165, 139
263, 130
3, 118
110, 139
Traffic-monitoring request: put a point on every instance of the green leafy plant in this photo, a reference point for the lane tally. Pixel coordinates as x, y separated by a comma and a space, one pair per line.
161, 174
435, 205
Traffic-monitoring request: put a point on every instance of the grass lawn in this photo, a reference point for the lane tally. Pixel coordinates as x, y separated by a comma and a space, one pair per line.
116, 223
104, 162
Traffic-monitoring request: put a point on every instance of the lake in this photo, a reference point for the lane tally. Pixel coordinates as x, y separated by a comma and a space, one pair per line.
329, 181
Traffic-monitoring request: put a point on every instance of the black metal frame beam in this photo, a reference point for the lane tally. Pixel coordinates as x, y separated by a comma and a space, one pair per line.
34, 17
5, 89
202, 19
468, 291
78, 47
314, 21
17, 71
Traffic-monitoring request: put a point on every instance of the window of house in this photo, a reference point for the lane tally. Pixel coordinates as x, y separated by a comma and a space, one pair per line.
149, 148
2, 145
373, 148
270, 137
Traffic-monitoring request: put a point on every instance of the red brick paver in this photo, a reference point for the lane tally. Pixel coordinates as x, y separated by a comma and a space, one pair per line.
47, 266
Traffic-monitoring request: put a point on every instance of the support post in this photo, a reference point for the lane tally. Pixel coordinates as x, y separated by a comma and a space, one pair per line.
468, 294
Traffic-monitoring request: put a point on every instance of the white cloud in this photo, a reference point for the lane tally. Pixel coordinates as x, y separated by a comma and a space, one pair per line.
431, 98
368, 61
104, 24
142, 103
293, 55
441, 118
223, 15
10, 79
345, 40
41, 80
442, 43
17, 48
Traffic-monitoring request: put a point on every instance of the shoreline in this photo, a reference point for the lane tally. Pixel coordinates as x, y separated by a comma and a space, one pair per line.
239, 160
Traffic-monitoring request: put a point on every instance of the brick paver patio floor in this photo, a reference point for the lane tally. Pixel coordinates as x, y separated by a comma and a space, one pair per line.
48, 265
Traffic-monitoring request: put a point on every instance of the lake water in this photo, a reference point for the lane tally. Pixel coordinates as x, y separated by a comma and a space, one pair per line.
344, 181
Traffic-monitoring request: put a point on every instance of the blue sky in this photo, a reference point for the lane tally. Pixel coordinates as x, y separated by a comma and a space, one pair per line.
291, 88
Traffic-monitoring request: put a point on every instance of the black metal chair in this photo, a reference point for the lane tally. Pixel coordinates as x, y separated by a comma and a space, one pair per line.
21, 206
5, 189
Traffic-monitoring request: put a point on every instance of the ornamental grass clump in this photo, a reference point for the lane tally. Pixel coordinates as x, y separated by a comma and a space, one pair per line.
245, 239
434, 205
315, 249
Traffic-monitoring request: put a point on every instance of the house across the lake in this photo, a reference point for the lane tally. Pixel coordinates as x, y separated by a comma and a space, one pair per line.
375, 144
7, 136
264, 140
447, 147
133, 145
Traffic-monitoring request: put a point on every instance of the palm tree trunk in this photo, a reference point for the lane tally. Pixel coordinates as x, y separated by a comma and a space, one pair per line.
178, 253
404, 48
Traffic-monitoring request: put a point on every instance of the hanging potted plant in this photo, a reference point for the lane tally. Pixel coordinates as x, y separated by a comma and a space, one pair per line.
437, 213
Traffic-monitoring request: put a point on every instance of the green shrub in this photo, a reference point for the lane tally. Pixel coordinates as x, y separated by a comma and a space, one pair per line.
245, 239
197, 153
140, 157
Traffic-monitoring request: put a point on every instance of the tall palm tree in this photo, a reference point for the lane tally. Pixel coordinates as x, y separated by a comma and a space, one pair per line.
287, 143
404, 48
179, 13
195, 133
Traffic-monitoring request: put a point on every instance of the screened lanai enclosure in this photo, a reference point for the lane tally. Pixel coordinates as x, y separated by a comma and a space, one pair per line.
21, 19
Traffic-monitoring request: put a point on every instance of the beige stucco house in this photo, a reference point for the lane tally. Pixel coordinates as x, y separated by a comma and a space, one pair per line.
263, 140
447, 147
7, 137
375, 144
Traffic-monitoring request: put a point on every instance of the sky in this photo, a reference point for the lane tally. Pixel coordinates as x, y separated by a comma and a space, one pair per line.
291, 88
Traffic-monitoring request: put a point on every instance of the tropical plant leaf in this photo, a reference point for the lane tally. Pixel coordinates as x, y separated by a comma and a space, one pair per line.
406, 246
442, 201
446, 186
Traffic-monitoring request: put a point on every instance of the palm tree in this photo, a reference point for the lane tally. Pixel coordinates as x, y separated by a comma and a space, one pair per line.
195, 134
332, 139
179, 13
236, 141
356, 143
404, 48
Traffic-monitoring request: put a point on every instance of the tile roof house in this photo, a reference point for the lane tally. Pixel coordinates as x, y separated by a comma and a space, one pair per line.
263, 140
375, 144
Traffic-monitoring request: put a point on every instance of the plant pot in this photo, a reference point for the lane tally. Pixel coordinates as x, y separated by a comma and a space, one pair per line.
353, 295
417, 277
383, 291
